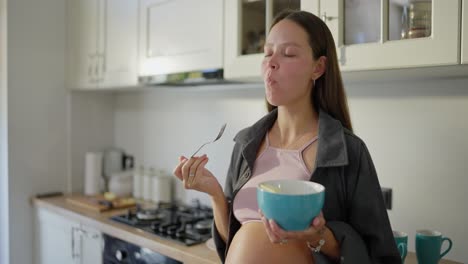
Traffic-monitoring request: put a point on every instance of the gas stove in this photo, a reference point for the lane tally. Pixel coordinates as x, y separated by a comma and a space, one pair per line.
188, 225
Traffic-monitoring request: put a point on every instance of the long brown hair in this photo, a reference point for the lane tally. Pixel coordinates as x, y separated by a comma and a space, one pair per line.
328, 93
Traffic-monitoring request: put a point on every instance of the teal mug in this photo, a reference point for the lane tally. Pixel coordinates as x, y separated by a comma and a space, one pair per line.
429, 245
401, 239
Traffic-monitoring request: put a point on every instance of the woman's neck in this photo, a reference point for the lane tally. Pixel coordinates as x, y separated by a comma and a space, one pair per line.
294, 122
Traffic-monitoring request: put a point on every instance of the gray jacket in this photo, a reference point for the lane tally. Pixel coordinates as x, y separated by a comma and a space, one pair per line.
354, 207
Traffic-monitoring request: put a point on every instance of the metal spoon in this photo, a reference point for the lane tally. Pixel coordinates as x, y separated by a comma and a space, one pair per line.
221, 131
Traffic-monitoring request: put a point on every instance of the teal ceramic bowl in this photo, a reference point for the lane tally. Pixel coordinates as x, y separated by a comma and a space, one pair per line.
293, 204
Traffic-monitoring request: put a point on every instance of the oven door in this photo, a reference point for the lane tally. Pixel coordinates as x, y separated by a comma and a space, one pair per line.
117, 251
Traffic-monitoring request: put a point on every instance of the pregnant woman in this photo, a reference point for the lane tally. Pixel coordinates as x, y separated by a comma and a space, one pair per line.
306, 135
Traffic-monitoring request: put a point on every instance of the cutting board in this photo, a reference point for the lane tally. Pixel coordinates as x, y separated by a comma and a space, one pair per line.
99, 204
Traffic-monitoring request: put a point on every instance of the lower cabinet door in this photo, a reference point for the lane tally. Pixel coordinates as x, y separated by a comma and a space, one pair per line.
64, 241
91, 246
56, 240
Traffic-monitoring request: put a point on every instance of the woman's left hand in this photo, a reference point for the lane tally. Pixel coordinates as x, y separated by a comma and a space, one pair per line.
278, 235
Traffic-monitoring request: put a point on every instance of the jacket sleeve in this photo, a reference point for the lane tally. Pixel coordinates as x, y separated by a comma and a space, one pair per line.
228, 192
366, 236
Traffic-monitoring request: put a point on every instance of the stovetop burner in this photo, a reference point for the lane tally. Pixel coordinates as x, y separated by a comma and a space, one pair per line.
150, 214
185, 224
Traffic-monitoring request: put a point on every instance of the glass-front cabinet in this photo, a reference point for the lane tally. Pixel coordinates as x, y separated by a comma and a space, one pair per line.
464, 48
393, 34
246, 24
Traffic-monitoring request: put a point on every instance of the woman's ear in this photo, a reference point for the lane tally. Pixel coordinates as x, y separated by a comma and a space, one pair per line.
319, 68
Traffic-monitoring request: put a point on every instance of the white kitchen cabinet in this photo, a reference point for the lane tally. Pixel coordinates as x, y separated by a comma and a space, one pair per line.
246, 25
103, 43
389, 34
464, 42
61, 240
83, 71
55, 238
180, 36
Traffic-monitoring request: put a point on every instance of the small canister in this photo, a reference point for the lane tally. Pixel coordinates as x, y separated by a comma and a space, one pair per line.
147, 184
138, 181
162, 188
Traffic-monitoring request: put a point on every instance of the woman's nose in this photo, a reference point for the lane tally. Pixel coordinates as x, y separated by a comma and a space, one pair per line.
272, 64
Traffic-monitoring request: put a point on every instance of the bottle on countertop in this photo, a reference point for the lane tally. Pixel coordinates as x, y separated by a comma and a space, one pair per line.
138, 175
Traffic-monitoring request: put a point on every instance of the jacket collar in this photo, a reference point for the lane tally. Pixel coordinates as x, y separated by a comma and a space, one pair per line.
331, 140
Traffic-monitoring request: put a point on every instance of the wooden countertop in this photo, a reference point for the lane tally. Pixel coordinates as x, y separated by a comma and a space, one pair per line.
198, 254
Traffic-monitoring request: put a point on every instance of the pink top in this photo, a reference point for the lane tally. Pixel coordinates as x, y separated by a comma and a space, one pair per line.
272, 164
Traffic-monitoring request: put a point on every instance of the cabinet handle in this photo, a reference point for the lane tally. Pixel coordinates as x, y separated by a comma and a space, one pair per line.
326, 18
90, 66
342, 58
103, 63
80, 232
72, 242
90, 70
74, 255
96, 67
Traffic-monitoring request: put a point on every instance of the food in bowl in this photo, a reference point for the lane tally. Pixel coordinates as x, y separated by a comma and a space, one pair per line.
292, 204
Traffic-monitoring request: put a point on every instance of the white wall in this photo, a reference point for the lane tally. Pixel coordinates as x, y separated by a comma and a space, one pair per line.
37, 112
159, 126
415, 132
3, 139
91, 126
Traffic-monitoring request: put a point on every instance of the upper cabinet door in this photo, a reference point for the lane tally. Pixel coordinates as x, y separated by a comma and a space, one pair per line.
389, 34
180, 36
117, 45
246, 24
464, 48
103, 43
83, 71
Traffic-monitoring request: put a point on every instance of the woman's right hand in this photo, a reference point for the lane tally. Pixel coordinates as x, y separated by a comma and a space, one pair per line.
195, 176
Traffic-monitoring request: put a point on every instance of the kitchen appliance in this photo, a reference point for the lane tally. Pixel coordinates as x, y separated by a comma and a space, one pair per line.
119, 251
115, 161
184, 224
190, 78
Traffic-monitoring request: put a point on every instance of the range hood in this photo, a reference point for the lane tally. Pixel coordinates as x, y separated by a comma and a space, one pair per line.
190, 78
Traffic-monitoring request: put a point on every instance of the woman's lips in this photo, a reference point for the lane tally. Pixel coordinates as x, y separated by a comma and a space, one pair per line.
269, 80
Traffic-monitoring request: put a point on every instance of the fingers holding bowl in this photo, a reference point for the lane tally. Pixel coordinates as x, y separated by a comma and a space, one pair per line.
271, 235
